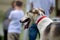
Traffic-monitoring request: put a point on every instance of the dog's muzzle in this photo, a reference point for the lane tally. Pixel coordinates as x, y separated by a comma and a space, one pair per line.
28, 19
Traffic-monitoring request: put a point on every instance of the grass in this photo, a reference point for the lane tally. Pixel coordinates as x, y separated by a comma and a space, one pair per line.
1, 31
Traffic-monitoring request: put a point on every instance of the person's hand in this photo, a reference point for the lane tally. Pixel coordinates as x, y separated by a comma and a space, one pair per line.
51, 10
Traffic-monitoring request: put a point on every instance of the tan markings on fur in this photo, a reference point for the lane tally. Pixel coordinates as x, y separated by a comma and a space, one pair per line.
51, 36
42, 10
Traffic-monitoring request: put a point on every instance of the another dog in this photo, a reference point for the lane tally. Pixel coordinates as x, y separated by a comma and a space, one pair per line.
48, 29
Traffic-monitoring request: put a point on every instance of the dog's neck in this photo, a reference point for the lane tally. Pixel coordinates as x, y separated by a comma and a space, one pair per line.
38, 17
43, 23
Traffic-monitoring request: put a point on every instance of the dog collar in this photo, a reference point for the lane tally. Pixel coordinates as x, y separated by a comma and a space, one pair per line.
40, 19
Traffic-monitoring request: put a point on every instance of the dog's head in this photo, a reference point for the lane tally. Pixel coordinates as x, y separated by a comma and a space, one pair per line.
36, 11
32, 14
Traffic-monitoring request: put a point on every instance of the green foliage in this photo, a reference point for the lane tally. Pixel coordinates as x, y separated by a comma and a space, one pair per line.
1, 15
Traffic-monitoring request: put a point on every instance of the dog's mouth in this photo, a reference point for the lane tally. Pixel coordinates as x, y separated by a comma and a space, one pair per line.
27, 22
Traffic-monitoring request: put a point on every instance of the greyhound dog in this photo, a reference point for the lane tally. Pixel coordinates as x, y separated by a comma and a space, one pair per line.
48, 29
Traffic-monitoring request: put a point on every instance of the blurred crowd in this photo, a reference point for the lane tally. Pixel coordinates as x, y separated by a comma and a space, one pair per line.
11, 24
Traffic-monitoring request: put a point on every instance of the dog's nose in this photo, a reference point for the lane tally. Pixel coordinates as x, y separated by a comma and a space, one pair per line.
21, 21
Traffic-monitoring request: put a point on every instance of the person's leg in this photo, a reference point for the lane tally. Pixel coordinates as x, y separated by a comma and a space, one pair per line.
17, 36
33, 32
13, 36
5, 34
25, 34
0, 38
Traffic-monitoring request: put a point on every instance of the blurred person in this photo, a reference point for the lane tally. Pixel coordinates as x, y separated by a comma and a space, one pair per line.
0, 38
6, 20
47, 5
15, 26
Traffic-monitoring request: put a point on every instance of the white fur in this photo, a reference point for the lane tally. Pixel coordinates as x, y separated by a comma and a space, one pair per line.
42, 25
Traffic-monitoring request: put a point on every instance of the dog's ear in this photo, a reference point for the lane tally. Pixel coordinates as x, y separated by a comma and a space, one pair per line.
42, 10
35, 11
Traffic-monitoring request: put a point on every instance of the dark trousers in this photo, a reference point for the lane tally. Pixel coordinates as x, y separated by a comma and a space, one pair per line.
33, 32
5, 34
0, 38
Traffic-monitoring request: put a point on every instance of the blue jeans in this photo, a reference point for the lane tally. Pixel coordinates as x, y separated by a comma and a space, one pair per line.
33, 32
